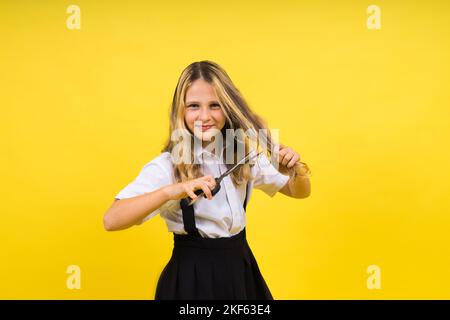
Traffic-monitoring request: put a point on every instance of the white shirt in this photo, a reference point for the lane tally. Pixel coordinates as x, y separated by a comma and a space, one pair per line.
223, 215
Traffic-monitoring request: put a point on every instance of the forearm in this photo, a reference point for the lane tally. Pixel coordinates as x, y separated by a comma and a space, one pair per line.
128, 212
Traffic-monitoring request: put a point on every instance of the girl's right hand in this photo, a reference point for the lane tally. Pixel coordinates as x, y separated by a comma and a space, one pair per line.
182, 190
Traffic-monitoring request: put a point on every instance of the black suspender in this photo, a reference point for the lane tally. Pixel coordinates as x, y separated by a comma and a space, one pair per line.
189, 214
246, 197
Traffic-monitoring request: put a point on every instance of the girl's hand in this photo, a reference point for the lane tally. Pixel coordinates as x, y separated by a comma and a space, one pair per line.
181, 190
288, 159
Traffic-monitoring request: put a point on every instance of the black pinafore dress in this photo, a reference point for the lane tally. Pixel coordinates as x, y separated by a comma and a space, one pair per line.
211, 268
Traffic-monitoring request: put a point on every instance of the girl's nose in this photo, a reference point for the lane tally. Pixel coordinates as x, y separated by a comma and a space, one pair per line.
204, 114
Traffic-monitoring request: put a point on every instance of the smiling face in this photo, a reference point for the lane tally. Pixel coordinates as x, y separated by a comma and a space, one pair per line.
204, 115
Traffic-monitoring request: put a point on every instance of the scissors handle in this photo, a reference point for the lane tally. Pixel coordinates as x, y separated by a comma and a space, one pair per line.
213, 191
199, 192
189, 201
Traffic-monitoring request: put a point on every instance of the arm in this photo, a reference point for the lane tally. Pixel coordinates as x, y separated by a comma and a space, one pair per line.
128, 212
125, 213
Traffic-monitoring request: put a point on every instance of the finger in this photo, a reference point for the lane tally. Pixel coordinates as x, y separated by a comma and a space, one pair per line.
190, 193
283, 151
207, 178
204, 181
287, 158
194, 187
280, 155
211, 184
210, 181
294, 159
206, 190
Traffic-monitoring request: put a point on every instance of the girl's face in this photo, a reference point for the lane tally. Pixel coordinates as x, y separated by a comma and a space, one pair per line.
203, 111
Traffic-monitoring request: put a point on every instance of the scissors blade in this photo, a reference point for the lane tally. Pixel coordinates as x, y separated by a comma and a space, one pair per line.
247, 157
243, 160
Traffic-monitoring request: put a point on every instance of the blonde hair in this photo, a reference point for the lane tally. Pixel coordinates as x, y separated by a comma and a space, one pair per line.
237, 113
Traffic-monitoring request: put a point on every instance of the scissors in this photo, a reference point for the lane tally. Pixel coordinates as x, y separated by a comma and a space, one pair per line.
189, 201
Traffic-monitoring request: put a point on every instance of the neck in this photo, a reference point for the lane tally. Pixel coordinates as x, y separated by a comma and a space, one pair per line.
206, 143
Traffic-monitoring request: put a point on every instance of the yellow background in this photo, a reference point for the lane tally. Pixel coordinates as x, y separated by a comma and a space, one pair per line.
368, 110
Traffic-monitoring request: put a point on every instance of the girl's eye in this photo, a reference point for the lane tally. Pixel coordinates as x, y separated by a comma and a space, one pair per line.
213, 106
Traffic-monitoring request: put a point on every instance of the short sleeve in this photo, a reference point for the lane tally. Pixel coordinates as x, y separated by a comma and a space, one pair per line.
152, 176
266, 177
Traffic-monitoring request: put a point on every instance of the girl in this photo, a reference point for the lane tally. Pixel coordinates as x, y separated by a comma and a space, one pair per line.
211, 258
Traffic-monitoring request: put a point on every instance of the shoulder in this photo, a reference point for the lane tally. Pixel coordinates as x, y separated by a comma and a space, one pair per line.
164, 160
267, 177
153, 175
162, 163
262, 165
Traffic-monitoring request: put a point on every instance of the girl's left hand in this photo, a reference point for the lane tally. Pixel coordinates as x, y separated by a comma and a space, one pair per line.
287, 158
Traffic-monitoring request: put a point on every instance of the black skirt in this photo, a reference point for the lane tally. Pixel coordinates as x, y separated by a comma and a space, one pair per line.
212, 268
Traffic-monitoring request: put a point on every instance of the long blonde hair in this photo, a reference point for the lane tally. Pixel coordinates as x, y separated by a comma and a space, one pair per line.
237, 113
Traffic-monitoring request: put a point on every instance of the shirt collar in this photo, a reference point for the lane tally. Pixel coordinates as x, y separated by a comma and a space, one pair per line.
200, 152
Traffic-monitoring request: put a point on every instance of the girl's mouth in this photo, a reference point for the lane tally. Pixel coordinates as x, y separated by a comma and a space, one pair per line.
206, 128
